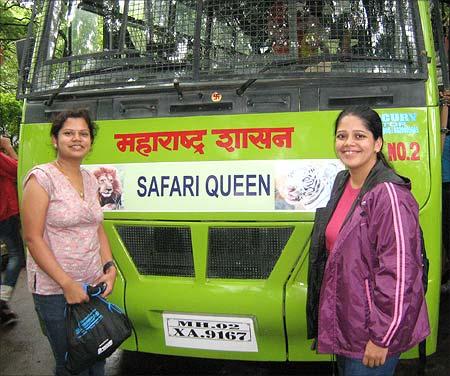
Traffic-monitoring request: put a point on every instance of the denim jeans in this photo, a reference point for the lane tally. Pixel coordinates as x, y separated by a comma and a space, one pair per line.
10, 235
355, 367
50, 310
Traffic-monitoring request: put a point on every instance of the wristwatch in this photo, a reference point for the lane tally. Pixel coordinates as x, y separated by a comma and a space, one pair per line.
445, 130
108, 265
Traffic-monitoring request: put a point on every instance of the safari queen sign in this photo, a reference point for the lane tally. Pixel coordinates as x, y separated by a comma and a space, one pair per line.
216, 186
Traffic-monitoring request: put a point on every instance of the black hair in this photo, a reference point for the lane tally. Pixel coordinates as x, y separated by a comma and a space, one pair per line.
371, 121
59, 120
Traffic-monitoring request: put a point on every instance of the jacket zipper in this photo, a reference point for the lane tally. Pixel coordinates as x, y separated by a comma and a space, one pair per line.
369, 300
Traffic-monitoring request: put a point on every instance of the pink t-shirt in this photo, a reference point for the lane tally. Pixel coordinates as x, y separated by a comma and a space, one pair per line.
70, 230
339, 215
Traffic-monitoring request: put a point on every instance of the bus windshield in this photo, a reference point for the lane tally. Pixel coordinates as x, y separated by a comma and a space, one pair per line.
78, 45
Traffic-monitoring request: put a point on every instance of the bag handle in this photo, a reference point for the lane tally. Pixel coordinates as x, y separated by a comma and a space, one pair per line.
96, 290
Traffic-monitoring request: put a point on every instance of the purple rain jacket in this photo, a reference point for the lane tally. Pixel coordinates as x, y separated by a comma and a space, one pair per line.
369, 287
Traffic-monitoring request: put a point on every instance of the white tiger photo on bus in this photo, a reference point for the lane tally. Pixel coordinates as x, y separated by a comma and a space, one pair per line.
304, 185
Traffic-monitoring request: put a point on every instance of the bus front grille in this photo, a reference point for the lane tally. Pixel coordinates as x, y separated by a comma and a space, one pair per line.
158, 250
245, 253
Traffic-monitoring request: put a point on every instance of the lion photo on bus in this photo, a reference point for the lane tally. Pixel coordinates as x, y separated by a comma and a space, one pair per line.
109, 188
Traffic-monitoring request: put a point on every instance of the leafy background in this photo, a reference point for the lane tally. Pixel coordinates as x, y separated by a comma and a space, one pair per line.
14, 20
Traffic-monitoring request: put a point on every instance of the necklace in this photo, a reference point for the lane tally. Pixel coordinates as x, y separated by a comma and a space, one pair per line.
80, 192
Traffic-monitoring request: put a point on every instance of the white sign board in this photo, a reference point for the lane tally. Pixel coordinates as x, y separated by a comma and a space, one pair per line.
217, 186
224, 333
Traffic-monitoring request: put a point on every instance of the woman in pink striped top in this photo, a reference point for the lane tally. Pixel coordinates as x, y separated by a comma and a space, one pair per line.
62, 223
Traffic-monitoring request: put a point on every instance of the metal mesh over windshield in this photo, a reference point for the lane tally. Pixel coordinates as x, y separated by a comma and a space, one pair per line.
94, 44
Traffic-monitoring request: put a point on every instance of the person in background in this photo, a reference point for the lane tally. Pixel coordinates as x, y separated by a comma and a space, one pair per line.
9, 228
62, 224
445, 142
366, 299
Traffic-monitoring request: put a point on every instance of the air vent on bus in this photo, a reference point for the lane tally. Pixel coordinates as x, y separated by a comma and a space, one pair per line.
245, 253
135, 107
158, 250
268, 102
378, 100
201, 107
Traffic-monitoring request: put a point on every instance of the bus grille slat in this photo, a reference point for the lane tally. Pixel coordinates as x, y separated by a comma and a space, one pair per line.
157, 250
245, 253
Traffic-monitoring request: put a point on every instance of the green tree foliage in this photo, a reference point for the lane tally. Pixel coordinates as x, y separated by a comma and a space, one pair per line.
446, 14
10, 113
14, 19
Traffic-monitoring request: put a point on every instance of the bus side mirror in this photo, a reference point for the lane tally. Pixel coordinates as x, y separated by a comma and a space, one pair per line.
24, 53
22, 45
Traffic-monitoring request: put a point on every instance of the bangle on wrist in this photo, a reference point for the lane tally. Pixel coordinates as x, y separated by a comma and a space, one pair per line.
108, 265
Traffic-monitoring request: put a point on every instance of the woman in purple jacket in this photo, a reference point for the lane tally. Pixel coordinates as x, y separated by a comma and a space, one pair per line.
365, 294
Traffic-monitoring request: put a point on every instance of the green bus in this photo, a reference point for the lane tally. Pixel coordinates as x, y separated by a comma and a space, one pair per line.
215, 147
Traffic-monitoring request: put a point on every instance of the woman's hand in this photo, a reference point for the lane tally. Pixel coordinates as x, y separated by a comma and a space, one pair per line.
445, 97
374, 355
105, 252
109, 278
74, 293
6, 146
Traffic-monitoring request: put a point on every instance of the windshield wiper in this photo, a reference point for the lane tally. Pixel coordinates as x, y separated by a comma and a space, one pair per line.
74, 76
274, 64
87, 73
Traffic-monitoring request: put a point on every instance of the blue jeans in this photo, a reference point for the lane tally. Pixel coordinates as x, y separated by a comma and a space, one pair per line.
355, 367
10, 235
50, 310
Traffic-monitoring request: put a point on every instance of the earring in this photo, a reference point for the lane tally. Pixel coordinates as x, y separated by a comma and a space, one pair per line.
55, 146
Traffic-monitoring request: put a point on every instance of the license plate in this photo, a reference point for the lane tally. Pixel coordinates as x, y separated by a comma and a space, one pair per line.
225, 333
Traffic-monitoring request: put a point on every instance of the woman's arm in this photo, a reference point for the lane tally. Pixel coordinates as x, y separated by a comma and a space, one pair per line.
33, 212
393, 228
8, 167
8, 159
105, 253
5, 144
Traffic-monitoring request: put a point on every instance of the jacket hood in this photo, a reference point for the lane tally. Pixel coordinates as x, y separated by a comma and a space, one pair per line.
380, 173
